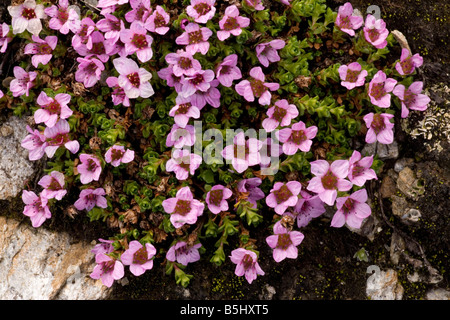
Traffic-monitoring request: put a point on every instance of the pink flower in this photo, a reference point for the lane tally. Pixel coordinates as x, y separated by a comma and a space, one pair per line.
227, 71
308, 206
183, 111
329, 179
158, 21
231, 23
58, 136
250, 186
286, 2
184, 254
63, 18
179, 137
107, 269
35, 143
41, 49
23, 82
280, 114
284, 243
380, 128
52, 109
352, 210
4, 38
27, 16
137, 41
283, 195
183, 209
89, 71
210, 96
200, 81
90, 198
201, 10
95, 46
346, 21
89, 169
255, 4
135, 81
216, 199
411, 98
109, 6
270, 150
359, 169
36, 208
267, 52
105, 246
111, 26
243, 153
352, 76
53, 185
195, 38
141, 10
118, 95
117, 155
183, 163
183, 63
298, 137
87, 27
408, 63
172, 80
375, 31
256, 87
138, 257
246, 264
379, 88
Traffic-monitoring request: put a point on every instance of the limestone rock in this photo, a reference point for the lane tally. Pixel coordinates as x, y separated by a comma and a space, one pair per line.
438, 294
384, 285
408, 184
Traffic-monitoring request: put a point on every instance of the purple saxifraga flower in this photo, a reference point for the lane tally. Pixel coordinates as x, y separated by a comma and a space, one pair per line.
139, 257
58, 136
308, 207
4, 38
35, 143
179, 137
375, 31
90, 198
183, 111
284, 243
216, 198
41, 49
408, 63
183, 63
231, 23
297, 137
250, 187
109, 6
246, 264
36, 208
283, 195
359, 170
89, 168
89, 71
140, 11
183, 209
111, 26
201, 10
107, 269
270, 150
135, 81
63, 18
116, 155
195, 38
172, 80
352, 76
227, 70
411, 98
105, 246
267, 52
183, 163
52, 109
346, 21
380, 128
182, 253
118, 94
137, 41
158, 21
87, 27
27, 16
329, 179
351, 210
379, 88
280, 114
255, 4
200, 81
256, 87
243, 153
211, 96
53, 185
23, 82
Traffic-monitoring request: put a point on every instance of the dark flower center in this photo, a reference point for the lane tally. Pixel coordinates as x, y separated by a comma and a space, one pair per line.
58, 140
329, 181
198, 78
195, 37
53, 107
345, 23
139, 41
230, 24
63, 15
352, 75
241, 151
185, 63
98, 48
116, 154
54, 185
279, 113
373, 34
407, 65
159, 20
258, 87
28, 13
247, 261
215, 197
348, 205
378, 124
282, 194
225, 70
357, 170
183, 108
183, 207
140, 256
43, 48
202, 8
298, 136
134, 79
91, 165
409, 98
284, 241
108, 266
378, 91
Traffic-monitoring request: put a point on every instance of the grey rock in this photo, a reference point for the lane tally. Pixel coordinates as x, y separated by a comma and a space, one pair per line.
384, 285
438, 294
409, 185
384, 151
